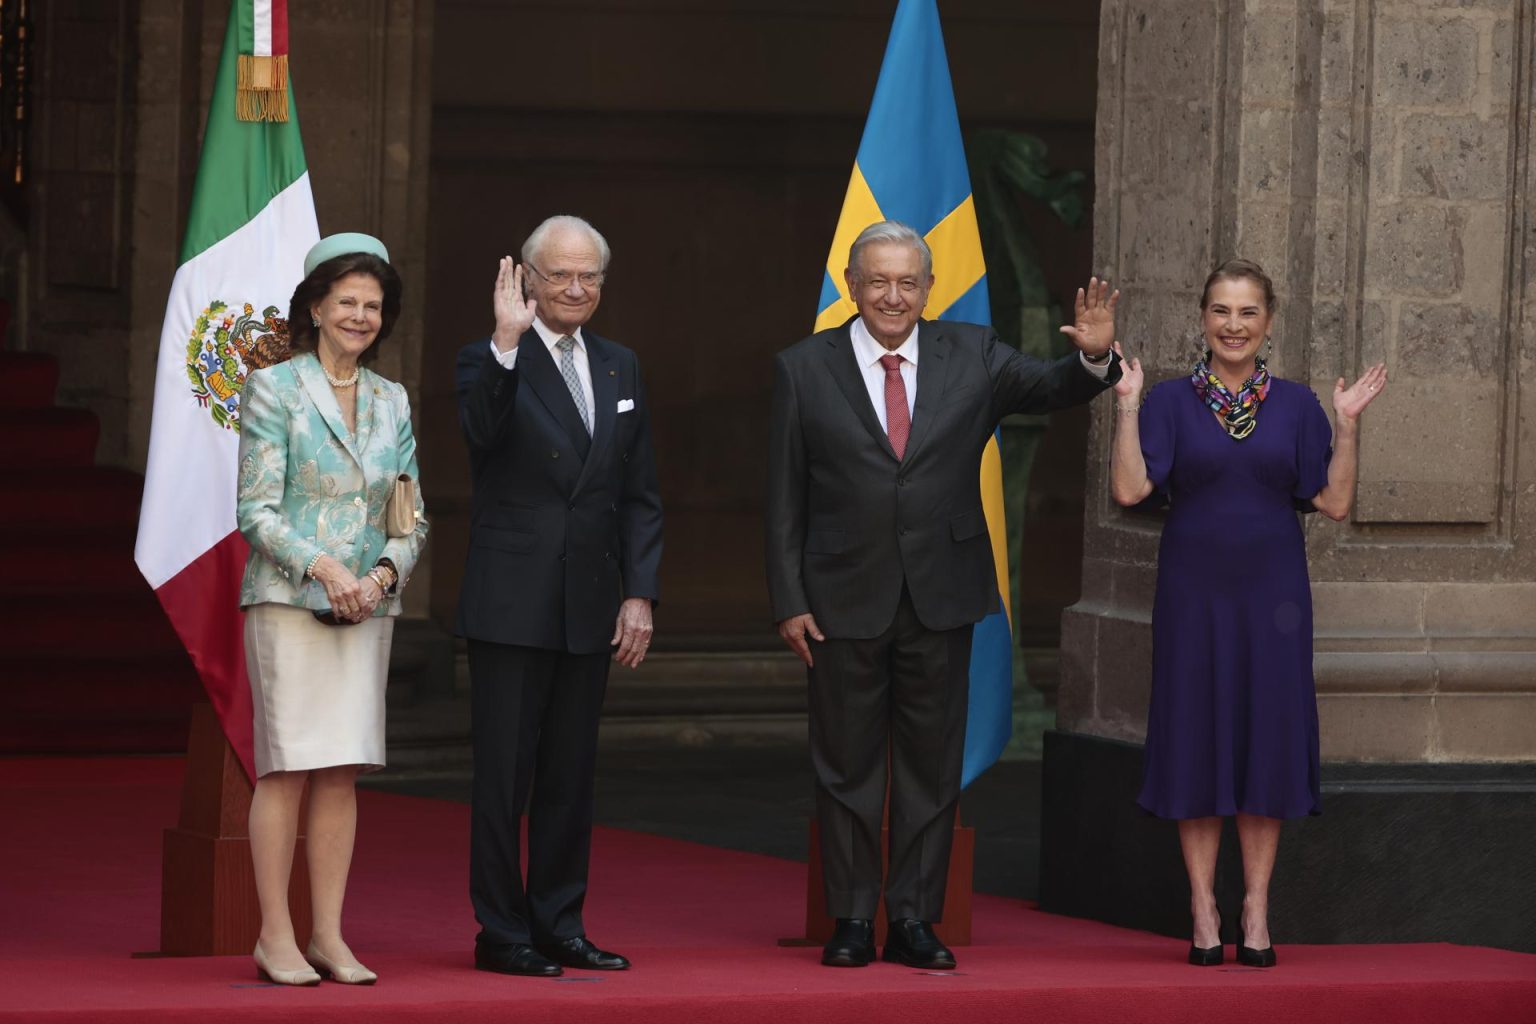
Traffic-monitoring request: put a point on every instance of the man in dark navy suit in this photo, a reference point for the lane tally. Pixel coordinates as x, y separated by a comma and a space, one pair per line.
565, 542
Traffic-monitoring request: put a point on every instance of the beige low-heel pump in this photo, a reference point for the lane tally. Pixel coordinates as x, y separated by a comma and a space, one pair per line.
266, 972
347, 974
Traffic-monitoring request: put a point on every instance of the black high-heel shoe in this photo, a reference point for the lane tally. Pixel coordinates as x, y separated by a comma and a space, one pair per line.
1211, 956
1250, 957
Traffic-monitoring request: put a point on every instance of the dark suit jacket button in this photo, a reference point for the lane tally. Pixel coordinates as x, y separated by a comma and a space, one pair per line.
905, 531
571, 507
562, 558
554, 453
901, 481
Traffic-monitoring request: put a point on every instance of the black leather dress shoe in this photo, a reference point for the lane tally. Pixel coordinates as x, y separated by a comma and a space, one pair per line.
852, 943
912, 942
515, 959
582, 955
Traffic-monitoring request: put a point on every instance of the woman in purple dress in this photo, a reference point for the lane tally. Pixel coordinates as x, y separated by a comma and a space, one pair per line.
1235, 453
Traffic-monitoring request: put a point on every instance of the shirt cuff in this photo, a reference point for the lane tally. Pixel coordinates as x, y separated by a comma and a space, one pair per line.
508, 360
1099, 370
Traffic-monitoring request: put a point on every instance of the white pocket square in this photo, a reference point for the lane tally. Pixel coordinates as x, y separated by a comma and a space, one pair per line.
626, 405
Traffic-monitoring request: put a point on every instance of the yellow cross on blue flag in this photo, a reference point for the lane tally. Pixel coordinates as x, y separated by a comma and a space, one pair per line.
911, 167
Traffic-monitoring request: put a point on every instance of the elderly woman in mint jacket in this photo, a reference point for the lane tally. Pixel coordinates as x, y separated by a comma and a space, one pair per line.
322, 442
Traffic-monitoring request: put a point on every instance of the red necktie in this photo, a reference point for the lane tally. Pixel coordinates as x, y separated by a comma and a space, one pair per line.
898, 420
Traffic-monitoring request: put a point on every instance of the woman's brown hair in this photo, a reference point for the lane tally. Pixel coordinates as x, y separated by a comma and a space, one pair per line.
1238, 270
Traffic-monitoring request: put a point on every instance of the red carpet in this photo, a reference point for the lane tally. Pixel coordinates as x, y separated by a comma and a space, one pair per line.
80, 866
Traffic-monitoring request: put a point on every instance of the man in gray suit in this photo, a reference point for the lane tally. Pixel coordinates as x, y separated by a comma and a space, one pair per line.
879, 565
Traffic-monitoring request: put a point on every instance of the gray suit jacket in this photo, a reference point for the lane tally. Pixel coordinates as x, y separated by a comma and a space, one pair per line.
848, 523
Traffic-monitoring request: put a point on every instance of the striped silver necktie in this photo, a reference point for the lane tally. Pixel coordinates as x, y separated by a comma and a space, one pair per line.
567, 345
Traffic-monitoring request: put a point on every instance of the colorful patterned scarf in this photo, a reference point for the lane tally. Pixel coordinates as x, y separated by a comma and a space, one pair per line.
1237, 412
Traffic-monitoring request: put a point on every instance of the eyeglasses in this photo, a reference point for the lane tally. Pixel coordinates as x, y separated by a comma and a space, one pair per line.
588, 279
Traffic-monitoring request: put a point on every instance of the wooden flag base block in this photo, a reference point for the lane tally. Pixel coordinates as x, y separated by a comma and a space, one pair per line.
207, 885
954, 930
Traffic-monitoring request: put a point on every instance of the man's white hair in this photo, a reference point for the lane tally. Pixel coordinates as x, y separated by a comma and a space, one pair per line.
889, 232
566, 222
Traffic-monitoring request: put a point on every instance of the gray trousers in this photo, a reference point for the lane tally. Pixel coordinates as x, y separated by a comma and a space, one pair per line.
896, 705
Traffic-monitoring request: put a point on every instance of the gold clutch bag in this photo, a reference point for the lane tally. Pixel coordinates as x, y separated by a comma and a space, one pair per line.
400, 514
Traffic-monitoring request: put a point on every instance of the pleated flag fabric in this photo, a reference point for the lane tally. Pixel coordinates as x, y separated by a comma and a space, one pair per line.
251, 222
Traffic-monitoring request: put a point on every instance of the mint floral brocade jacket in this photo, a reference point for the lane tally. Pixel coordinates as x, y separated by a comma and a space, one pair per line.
307, 486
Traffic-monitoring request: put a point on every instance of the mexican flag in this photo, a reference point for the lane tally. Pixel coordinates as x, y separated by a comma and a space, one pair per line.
252, 220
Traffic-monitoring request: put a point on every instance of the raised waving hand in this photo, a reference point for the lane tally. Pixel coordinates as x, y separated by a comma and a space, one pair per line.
514, 312
1093, 326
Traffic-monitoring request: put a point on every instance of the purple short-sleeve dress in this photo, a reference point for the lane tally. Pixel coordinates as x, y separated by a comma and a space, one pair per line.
1232, 726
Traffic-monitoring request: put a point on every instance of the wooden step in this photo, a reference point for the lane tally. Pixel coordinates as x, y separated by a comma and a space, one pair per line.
28, 380
54, 437
87, 499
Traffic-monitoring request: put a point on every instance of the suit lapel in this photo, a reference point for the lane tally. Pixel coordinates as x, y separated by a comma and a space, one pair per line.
932, 376
605, 394
844, 367
311, 375
542, 377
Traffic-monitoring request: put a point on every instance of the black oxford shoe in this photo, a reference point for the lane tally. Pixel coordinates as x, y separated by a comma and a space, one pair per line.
515, 959
582, 955
852, 944
912, 942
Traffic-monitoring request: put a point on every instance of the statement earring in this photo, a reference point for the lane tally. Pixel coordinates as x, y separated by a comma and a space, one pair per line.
1269, 348
314, 321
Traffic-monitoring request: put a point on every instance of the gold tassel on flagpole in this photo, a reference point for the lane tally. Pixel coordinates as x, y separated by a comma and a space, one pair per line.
261, 88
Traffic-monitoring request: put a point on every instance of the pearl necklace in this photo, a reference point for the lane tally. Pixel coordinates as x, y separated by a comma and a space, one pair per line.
338, 382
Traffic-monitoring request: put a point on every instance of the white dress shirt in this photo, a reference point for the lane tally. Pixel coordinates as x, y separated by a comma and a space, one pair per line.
867, 352
508, 360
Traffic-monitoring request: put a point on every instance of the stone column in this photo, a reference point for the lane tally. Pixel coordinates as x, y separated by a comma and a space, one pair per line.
1374, 156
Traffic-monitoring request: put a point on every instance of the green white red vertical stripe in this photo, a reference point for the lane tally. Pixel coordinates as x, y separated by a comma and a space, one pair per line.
263, 27
251, 222
261, 69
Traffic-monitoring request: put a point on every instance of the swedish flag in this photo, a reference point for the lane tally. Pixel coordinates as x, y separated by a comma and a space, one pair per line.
911, 167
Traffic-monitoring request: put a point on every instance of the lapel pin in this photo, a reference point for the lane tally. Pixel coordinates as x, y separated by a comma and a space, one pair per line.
613, 373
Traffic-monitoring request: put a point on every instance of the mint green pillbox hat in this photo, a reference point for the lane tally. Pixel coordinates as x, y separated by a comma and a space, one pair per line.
331, 246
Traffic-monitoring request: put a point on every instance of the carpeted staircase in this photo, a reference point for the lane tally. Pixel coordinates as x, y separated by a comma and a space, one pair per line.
88, 662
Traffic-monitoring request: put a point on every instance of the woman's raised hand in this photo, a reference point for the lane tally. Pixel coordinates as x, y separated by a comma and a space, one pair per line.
1132, 379
1350, 402
514, 312
1093, 329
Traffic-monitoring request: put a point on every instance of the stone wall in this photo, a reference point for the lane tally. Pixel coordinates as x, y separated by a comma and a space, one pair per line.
1374, 156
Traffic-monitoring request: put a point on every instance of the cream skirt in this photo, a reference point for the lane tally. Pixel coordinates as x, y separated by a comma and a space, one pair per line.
317, 690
